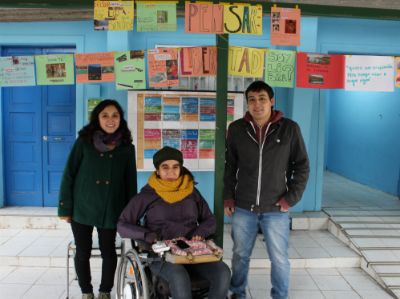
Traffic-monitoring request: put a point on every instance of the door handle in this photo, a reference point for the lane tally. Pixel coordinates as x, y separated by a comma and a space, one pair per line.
45, 138
58, 139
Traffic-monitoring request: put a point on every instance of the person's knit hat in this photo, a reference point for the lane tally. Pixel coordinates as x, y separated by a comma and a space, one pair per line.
167, 153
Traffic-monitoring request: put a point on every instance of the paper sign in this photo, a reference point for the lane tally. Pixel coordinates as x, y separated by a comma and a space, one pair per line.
55, 69
198, 61
163, 67
369, 73
246, 62
397, 64
204, 18
152, 16
94, 67
129, 70
320, 70
279, 67
17, 71
113, 15
243, 18
285, 26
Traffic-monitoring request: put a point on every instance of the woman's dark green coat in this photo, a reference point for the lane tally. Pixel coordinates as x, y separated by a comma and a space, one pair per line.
96, 186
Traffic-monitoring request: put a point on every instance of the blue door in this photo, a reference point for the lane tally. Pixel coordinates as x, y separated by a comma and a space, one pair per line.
39, 130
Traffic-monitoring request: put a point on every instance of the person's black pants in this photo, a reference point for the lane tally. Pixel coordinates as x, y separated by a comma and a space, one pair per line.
83, 241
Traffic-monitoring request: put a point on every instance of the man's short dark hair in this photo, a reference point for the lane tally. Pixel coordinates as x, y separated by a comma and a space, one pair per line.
259, 86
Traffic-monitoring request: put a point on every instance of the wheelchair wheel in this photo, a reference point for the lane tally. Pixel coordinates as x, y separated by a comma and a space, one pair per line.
131, 278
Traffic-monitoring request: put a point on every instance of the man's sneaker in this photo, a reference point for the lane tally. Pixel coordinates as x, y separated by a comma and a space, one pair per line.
88, 296
104, 296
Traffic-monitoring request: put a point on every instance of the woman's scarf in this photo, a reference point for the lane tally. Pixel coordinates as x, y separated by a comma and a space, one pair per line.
172, 192
106, 142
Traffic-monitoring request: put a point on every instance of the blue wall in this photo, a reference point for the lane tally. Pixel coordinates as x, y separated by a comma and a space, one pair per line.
362, 139
317, 112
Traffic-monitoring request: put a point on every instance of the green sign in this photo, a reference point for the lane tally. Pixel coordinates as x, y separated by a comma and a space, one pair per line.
55, 69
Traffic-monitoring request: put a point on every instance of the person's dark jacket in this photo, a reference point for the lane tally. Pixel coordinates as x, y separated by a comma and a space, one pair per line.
164, 221
258, 174
96, 186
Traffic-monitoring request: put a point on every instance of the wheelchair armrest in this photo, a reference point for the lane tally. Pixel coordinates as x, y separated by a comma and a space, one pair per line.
141, 245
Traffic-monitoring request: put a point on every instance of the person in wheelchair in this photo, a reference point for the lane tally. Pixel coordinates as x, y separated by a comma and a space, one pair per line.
171, 208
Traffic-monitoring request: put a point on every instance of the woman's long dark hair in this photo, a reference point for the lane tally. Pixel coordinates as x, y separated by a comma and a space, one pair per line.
87, 131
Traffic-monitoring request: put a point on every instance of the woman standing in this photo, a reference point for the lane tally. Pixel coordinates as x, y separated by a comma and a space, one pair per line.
98, 181
172, 207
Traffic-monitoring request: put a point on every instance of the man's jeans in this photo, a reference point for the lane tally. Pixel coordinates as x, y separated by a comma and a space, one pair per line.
275, 227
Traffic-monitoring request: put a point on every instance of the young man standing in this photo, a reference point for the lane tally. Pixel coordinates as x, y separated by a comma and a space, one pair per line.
266, 171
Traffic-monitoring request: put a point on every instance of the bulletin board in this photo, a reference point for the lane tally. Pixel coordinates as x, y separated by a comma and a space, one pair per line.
183, 120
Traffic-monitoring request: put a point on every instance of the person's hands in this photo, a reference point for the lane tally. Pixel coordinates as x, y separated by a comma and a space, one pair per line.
197, 238
283, 205
229, 211
66, 218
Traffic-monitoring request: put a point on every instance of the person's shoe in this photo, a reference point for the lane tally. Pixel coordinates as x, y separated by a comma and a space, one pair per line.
88, 296
104, 296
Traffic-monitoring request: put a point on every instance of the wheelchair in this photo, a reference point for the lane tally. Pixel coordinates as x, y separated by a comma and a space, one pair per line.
136, 281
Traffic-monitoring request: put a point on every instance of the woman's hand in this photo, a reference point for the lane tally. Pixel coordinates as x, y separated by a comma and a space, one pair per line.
66, 218
197, 238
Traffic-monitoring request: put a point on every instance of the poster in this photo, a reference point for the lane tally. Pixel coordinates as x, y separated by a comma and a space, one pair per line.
113, 15
163, 67
243, 18
91, 104
129, 70
17, 71
246, 62
183, 120
279, 68
397, 65
55, 69
285, 26
198, 61
204, 18
320, 70
94, 67
369, 73
155, 16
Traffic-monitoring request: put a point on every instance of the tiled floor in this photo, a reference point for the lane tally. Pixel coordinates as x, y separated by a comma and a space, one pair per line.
32, 261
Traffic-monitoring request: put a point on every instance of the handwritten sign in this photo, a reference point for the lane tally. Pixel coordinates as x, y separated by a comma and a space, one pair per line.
156, 16
316, 70
369, 73
204, 18
94, 67
163, 67
55, 69
397, 63
17, 71
285, 26
243, 18
279, 68
198, 61
113, 15
246, 62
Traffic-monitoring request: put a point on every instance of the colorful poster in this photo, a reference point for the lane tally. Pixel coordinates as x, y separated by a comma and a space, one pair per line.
129, 70
369, 73
152, 108
152, 142
189, 143
94, 67
171, 109
155, 16
113, 15
243, 18
206, 143
279, 67
320, 70
198, 61
91, 104
172, 138
190, 109
397, 63
204, 18
17, 71
163, 67
55, 69
285, 26
230, 111
207, 109
246, 62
